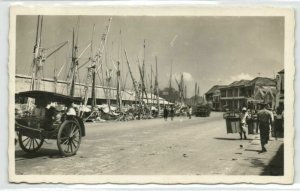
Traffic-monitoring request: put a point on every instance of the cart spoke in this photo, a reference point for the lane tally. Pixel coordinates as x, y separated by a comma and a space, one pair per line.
25, 139
27, 142
72, 130
30, 144
76, 132
75, 146
33, 143
64, 138
70, 143
68, 148
36, 141
69, 129
65, 142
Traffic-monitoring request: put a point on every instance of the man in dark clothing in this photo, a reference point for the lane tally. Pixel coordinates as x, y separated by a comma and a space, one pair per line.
264, 119
166, 113
172, 112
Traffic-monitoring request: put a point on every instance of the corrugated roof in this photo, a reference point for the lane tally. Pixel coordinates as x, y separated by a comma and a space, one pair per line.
261, 81
214, 88
238, 83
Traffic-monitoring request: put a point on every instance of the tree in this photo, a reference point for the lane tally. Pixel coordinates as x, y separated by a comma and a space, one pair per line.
169, 94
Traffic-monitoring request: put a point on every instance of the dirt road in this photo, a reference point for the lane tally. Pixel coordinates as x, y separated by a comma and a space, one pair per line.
197, 146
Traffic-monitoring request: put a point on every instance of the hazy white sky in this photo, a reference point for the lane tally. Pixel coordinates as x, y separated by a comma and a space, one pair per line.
208, 50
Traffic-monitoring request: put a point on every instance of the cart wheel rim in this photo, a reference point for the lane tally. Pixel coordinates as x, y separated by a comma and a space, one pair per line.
30, 144
69, 138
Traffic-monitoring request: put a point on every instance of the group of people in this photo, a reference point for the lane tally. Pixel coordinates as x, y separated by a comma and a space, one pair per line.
265, 123
170, 112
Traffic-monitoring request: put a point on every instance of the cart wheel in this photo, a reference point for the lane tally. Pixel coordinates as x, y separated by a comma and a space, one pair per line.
29, 144
69, 138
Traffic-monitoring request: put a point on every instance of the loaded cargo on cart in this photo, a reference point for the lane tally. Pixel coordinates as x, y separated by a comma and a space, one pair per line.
48, 115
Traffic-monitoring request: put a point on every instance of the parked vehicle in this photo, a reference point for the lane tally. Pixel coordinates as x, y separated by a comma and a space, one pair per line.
202, 111
60, 123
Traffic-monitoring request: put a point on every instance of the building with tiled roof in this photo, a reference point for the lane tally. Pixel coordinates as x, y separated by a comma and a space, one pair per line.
248, 93
212, 96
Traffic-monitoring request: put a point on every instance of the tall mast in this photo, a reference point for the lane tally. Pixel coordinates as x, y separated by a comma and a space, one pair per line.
143, 89
156, 86
93, 74
97, 60
37, 56
74, 53
118, 96
74, 67
151, 91
185, 92
133, 80
40, 57
142, 73
195, 98
94, 88
198, 91
119, 101
170, 82
40, 60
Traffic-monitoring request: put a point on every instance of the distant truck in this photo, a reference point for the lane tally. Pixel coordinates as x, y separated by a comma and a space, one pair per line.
202, 111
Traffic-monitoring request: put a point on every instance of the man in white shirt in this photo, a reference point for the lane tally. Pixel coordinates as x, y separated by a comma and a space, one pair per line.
243, 125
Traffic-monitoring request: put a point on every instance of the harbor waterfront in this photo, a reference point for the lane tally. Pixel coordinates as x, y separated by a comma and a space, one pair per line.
112, 95
199, 146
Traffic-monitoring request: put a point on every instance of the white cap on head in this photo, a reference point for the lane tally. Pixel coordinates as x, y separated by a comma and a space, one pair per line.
244, 109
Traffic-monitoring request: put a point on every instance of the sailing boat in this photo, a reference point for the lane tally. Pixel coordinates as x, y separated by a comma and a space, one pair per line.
40, 56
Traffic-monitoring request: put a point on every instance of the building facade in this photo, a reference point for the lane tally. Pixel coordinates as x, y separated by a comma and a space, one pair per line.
233, 96
243, 93
249, 93
280, 89
213, 97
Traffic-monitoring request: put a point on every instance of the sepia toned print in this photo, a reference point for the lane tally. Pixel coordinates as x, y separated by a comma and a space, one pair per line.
151, 95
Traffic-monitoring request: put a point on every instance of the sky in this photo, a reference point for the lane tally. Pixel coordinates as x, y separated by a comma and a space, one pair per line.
207, 50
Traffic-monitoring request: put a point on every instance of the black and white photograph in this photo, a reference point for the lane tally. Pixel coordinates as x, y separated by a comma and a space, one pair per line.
151, 95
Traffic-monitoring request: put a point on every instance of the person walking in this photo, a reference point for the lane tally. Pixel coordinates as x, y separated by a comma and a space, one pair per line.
264, 120
172, 112
166, 113
190, 112
243, 123
278, 122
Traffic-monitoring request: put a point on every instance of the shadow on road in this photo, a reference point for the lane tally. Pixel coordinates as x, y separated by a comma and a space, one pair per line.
254, 150
49, 153
276, 165
231, 139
